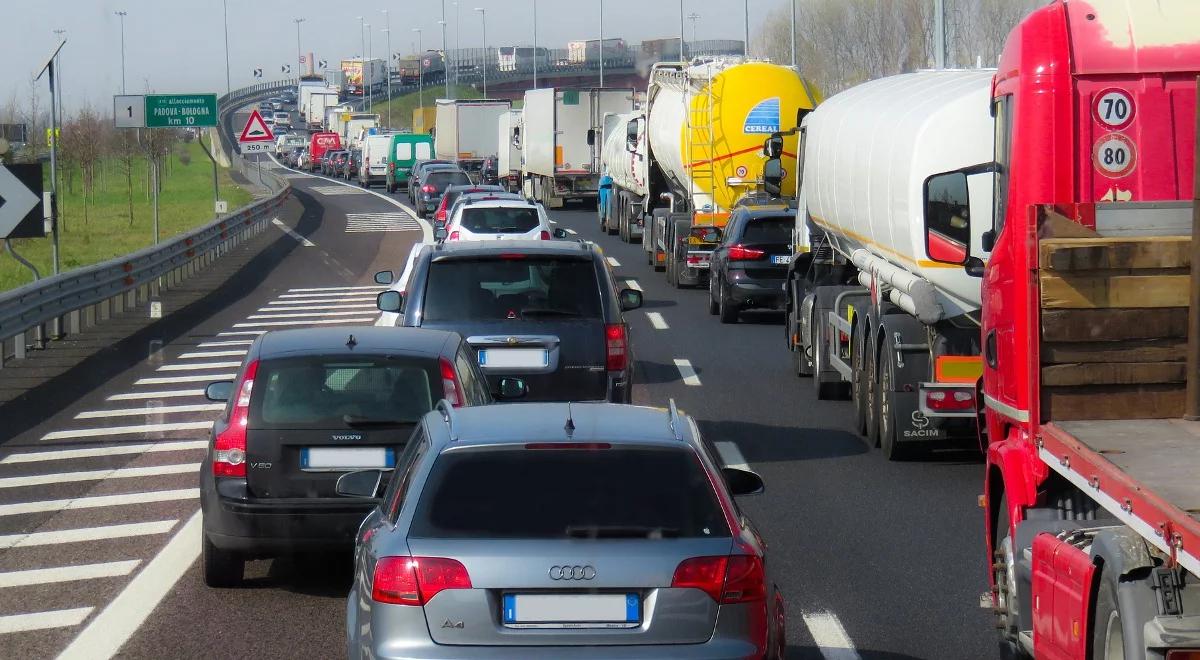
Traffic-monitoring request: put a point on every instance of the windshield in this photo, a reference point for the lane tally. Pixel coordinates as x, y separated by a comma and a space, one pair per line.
490, 494
497, 289
335, 392
499, 220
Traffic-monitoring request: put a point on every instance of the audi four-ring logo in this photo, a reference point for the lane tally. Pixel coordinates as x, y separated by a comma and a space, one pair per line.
572, 573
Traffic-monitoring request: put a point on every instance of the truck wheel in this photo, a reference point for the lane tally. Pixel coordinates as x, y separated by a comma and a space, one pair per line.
221, 568
728, 311
1108, 636
679, 254
1004, 570
893, 449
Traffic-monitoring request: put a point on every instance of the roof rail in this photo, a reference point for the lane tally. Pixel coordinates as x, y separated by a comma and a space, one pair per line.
673, 421
448, 416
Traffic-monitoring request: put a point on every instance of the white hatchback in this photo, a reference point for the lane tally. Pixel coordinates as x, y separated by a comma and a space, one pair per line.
499, 219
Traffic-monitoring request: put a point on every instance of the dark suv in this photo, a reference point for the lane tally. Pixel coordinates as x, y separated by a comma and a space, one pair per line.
308, 406
548, 312
750, 264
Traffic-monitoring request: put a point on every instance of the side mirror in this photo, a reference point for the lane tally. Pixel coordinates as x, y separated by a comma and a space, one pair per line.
360, 483
560, 233
631, 136
219, 391
773, 177
510, 389
384, 277
947, 218
742, 482
591, 137
773, 146
390, 301
631, 299
441, 234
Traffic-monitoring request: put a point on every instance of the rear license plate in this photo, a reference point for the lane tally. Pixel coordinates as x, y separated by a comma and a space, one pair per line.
572, 610
780, 259
346, 458
507, 358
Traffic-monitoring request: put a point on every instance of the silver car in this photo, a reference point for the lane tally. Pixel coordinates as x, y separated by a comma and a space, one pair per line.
560, 530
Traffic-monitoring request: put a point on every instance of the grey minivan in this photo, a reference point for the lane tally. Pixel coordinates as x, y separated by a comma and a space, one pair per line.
560, 530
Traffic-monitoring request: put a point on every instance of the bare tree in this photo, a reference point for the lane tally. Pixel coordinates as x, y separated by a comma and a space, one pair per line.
124, 147
83, 148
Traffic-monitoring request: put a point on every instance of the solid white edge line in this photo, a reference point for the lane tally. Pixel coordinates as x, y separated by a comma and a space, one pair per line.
104, 636
99, 501
687, 372
100, 533
43, 620
92, 452
67, 573
657, 321
829, 635
290, 232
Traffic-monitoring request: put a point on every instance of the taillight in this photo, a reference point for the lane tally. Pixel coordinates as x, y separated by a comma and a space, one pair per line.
229, 447
545, 235
440, 215
740, 253
428, 188
727, 580
454, 236
391, 167
451, 390
416, 580
616, 347
953, 400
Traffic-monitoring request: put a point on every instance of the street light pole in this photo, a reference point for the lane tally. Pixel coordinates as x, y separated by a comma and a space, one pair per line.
225, 10
535, 48
793, 33
681, 32
362, 71
122, 16
388, 63
420, 69
299, 69
483, 20
370, 56
747, 28
457, 39
445, 53
58, 73
693, 17
601, 44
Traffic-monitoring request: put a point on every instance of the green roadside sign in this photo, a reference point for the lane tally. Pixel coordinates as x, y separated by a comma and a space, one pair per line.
181, 110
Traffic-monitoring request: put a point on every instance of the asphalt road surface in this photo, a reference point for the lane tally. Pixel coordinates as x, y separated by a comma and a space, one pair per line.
99, 523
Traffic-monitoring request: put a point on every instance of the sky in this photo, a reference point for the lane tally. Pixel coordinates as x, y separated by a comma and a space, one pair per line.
178, 45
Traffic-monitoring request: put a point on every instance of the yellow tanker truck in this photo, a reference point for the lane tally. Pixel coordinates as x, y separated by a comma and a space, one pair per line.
697, 147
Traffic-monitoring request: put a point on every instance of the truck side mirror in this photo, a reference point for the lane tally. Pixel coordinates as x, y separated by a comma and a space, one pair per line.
773, 177
773, 146
591, 137
947, 218
631, 136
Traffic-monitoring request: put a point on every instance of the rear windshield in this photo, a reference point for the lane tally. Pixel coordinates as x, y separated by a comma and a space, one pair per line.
336, 392
556, 493
499, 220
493, 289
769, 230
442, 179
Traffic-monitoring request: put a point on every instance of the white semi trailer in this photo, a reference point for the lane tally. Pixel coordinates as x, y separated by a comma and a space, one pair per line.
561, 141
508, 144
466, 130
870, 316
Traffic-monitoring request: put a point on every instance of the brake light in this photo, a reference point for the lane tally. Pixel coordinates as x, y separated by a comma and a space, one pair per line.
229, 447
741, 253
391, 167
727, 580
416, 580
950, 400
616, 347
545, 235
451, 390
428, 188
454, 236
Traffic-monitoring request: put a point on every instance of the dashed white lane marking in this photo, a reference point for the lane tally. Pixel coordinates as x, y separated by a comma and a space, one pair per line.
97, 475
288, 230
570, 231
125, 430
275, 324
731, 456
633, 284
614, 263
99, 501
150, 410
168, 380
116, 623
218, 344
43, 620
304, 315
212, 354
87, 534
687, 372
829, 635
67, 573
657, 321
92, 452
198, 366
138, 396
332, 288
313, 308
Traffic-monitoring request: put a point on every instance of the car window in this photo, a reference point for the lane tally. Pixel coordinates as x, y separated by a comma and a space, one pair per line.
404, 151
775, 229
406, 466
576, 493
495, 289
473, 382
323, 391
443, 179
424, 150
499, 220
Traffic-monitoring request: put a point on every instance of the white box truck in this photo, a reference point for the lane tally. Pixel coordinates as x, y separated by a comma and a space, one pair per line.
561, 141
466, 130
359, 124
314, 110
508, 142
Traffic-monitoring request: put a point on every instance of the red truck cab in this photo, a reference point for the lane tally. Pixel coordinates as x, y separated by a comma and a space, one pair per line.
1088, 517
319, 144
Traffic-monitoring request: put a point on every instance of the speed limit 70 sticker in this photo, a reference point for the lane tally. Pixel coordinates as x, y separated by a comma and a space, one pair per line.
1113, 108
1114, 155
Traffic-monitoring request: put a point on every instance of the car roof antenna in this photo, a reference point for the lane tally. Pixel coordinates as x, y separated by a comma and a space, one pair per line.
570, 425
351, 342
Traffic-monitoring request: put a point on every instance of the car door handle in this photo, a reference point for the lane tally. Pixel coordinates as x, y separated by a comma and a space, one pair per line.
989, 349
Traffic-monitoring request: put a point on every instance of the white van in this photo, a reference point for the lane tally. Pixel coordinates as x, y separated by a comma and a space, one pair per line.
374, 159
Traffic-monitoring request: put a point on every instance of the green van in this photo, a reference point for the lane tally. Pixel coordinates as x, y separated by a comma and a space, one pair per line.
407, 148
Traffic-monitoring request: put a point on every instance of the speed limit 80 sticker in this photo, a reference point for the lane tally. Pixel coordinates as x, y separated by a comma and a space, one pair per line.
1114, 155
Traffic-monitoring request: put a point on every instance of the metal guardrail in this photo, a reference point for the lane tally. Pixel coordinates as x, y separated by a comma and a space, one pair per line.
85, 296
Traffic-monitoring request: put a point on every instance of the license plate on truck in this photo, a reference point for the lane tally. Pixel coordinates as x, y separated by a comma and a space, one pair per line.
572, 610
346, 458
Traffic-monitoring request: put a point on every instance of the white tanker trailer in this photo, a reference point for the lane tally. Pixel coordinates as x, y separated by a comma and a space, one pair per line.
870, 315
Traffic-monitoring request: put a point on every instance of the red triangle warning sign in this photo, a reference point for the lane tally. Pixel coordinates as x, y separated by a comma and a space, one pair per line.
256, 130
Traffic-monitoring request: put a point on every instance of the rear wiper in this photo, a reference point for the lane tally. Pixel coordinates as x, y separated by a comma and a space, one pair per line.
355, 420
620, 532
548, 312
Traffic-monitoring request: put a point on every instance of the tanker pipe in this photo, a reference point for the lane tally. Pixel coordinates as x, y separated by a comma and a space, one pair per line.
917, 294
670, 198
